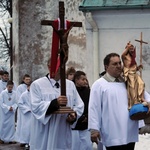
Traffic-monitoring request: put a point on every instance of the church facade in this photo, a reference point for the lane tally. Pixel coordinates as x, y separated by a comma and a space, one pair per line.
110, 25
107, 26
32, 41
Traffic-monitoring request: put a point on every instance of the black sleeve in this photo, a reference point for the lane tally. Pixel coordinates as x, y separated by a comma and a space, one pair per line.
52, 107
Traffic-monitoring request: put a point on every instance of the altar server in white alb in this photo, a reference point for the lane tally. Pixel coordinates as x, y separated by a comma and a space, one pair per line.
3, 84
24, 84
25, 109
108, 109
9, 106
3, 81
20, 89
53, 131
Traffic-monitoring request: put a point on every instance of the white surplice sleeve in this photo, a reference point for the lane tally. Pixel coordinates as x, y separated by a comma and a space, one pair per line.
38, 105
4, 106
23, 103
14, 105
94, 113
147, 96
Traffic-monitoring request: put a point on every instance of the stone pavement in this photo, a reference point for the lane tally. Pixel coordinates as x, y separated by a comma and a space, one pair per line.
17, 147
10, 147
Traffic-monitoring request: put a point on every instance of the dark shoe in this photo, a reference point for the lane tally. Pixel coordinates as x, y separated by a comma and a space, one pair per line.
22, 145
1, 142
13, 142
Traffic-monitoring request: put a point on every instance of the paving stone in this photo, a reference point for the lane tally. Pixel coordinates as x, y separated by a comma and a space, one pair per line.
11, 146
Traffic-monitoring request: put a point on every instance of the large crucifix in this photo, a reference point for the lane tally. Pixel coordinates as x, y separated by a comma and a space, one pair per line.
62, 34
141, 42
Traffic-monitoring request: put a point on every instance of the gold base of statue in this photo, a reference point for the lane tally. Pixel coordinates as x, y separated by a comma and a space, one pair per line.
64, 110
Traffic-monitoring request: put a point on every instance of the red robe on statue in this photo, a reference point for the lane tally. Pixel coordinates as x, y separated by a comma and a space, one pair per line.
55, 58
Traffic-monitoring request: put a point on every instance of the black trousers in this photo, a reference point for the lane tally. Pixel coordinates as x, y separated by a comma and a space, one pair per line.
129, 146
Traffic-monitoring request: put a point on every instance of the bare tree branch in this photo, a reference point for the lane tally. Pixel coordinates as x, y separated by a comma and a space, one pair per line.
5, 12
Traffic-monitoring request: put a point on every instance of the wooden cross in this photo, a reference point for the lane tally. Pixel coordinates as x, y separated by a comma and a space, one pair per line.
62, 42
141, 42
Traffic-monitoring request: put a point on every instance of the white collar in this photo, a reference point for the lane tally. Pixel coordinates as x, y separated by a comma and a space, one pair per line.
111, 78
52, 81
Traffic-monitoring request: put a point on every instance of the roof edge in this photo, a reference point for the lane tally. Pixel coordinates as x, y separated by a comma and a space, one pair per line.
95, 8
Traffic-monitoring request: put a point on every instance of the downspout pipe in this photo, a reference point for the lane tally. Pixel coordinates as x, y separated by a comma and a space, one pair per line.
95, 31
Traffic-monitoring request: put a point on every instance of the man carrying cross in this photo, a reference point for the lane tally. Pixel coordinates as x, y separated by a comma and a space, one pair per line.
51, 130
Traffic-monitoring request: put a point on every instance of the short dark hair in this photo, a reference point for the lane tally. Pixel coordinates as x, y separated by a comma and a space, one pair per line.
108, 57
5, 72
26, 76
78, 74
10, 82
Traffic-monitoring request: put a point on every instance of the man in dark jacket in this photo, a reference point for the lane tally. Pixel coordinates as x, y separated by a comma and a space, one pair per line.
81, 136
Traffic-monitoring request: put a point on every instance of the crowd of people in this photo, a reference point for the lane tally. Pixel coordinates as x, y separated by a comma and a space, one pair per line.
14, 126
28, 112
100, 112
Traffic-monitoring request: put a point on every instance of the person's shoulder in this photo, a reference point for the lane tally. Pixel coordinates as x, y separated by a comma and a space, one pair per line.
14, 92
39, 80
21, 85
4, 91
24, 93
70, 83
99, 82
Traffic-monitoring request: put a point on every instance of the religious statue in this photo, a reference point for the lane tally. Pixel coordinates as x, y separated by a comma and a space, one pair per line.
135, 84
63, 36
137, 105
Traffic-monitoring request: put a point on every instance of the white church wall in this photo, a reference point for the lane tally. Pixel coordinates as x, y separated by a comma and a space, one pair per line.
79, 54
116, 28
